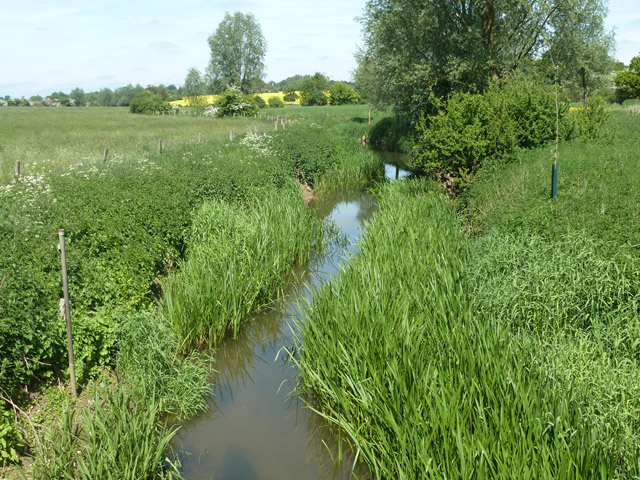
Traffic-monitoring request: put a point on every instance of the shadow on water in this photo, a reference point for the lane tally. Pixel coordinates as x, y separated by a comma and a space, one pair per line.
254, 427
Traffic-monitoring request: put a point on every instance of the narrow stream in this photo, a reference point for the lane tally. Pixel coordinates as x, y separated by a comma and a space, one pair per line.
254, 427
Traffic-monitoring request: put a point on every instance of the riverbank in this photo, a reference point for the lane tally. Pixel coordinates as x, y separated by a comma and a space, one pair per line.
497, 354
133, 226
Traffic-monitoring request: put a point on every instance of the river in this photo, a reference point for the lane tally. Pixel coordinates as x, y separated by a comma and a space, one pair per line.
255, 428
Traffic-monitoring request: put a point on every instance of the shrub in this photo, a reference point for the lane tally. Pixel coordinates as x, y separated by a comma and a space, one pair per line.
276, 102
148, 103
234, 102
259, 101
341, 93
290, 96
471, 129
628, 81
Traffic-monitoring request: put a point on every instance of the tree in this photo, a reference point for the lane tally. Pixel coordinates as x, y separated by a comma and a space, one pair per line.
628, 81
341, 93
194, 84
78, 96
422, 49
106, 98
237, 53
148, 103
581, 47
312, 90
290, 95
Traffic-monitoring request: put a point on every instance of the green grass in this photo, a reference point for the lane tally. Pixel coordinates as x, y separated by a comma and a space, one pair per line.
237, 263
48, 137
512, 353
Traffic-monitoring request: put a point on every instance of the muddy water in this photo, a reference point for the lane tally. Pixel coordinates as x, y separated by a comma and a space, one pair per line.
254, 427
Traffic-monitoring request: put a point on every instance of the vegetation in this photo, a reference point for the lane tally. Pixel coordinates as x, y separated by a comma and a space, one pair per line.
312, 90
276, 102
233, 102
628, 81
497, 356
419, 52
341, 93
237, 53
148, 103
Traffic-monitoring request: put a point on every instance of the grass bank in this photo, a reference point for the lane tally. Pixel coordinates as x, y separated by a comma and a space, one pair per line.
510, 353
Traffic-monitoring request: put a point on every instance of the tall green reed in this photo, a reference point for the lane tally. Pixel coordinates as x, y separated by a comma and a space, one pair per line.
393, 353
237, 263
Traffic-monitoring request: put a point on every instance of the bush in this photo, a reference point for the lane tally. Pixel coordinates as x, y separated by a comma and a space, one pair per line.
259, 101
276, 102
341, 93
234, 102
472, 129
290, 96
148, 103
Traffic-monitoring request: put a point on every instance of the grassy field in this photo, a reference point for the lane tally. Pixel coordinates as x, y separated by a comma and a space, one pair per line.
66, 136
511, 352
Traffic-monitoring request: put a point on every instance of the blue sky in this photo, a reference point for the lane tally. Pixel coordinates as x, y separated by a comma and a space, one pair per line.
53, 45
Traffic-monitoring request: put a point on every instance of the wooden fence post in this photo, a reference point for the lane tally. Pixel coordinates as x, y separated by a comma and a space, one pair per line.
104, 156
159, 146
67, 312
17, 173
231, 135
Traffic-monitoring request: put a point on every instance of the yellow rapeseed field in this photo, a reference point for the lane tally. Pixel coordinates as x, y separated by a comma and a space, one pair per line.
211, 99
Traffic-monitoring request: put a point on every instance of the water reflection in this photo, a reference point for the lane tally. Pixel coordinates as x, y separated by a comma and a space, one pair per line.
255, 428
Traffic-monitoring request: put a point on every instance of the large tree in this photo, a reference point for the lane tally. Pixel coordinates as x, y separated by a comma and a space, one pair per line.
628, 81
426, 48
194, 84
237, 53
581, 47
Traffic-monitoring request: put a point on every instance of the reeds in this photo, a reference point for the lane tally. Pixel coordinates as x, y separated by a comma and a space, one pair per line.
395, 355
237, 263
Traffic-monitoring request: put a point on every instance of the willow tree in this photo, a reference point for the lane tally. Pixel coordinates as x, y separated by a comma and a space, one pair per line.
581, 46
237, 53
429, 48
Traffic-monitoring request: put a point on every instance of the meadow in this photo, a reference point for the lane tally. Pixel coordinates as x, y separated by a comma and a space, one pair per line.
502, 340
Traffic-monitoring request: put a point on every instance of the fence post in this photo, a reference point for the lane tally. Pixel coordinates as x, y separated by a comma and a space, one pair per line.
17, 169
199, 138
67, 312
231, 135
104, 156
159, 146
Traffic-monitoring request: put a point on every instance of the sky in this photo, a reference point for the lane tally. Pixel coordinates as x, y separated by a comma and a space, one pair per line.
53, 45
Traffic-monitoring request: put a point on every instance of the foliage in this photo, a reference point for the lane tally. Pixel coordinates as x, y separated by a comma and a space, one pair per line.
290, 95
473, 129
233, 102
312, 90
194, 84
416, 52
260, 101
235, 264
442, 392
276, 102
10, 439
341, 93
391, 133
148, 103
237, 53
117, 438
155, 372
78, 95
581, 46
628, 81
588, 122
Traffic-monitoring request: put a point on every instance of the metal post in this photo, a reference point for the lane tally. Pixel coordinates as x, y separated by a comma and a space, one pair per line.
104, 157
554, 180
67, 312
